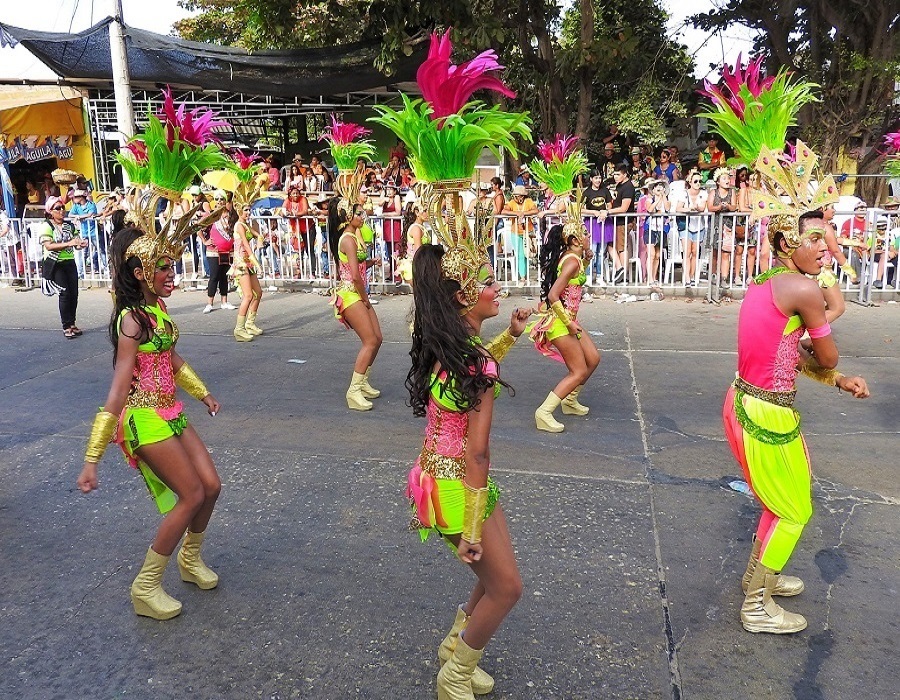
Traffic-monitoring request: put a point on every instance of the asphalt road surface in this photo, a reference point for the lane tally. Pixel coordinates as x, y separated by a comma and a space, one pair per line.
630, 542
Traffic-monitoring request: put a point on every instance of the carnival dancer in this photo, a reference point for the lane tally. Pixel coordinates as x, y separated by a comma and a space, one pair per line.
454, 375
246, 267
762, 427
454, 380
350, 298
346, 221
753, 114
141, 411
415, 235
557, 334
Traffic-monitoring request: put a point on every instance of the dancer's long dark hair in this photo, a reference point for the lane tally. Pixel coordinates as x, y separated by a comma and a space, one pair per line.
337, 222
127, 287
441, 337
551, 252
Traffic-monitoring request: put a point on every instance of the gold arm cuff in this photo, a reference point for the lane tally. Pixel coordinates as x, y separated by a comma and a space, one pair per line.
828, 377
473, 515
188, 380
102, 432
499, 346
826, 279
561, 313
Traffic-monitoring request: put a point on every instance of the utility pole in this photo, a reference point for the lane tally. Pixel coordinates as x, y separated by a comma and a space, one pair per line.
121, 78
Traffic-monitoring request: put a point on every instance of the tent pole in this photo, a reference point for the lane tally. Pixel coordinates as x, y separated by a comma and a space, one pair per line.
121, 79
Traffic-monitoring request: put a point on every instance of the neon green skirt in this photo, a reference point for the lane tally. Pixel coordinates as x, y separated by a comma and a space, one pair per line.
144, 426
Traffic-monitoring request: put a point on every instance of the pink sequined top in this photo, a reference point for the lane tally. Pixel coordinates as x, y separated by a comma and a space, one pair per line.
768, 341
444, 448
345, 267
153, 381
571, 296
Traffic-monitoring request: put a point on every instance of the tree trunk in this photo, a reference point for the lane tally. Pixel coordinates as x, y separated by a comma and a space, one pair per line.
585, 74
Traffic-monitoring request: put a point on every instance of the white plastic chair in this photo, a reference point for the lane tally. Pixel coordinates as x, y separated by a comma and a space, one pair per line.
674, 255
635, 258
507, 259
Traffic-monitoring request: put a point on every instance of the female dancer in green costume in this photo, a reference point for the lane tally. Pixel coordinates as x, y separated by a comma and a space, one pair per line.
142, 410
351, 298
246, 269
454, 380
558, 334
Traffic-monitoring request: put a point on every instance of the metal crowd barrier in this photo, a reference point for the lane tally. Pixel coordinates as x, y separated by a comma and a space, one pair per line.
711, 252
739, 250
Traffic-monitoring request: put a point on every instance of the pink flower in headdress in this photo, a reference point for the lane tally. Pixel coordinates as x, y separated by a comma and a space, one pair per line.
559, 149
732, 83
892, 141
244, 162
194, 127
341, 133
790, 154
447, 87
138, 151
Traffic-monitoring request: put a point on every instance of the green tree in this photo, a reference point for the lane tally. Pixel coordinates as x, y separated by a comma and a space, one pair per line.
564, 67
850, 48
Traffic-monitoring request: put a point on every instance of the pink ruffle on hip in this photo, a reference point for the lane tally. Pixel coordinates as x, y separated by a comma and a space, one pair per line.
538, 335
337, 301
172, 412
422, 491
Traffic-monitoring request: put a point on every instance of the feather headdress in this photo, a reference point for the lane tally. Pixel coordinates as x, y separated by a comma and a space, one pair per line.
753, 113
176, 147
787, 191
560, 163
445, 134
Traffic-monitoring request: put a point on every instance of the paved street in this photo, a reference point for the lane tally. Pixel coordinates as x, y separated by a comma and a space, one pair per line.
630, 543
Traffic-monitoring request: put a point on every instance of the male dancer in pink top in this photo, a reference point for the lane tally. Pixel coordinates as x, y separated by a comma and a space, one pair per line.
762, 427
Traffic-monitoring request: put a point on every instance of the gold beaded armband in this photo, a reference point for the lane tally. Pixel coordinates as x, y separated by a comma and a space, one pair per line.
811, 369
102, 431
499, 346
473, 515
826, 279
188, 380
848, 270
561, 313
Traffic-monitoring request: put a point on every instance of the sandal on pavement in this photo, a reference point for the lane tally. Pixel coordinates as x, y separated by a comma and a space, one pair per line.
69, 333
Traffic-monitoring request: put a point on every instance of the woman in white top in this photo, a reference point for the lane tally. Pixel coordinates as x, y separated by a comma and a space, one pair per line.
311, 183
722, 201
657, 226
694, 201
295, 178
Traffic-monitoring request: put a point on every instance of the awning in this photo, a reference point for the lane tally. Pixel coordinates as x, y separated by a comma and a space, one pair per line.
13, 96
156, 60
27, 110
